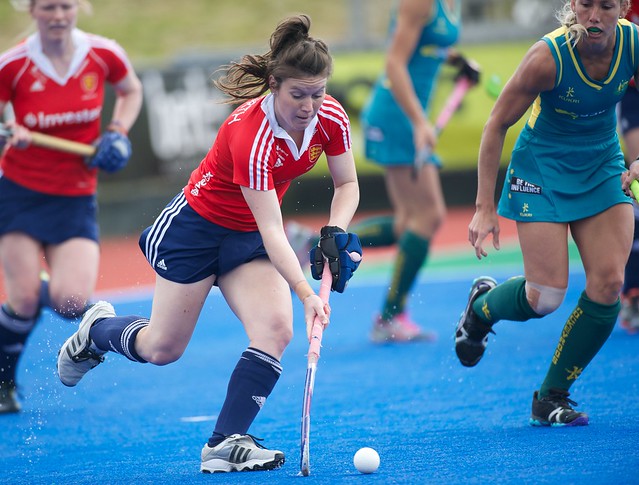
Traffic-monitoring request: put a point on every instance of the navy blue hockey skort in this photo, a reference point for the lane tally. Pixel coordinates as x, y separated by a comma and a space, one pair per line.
50, 219
183, 247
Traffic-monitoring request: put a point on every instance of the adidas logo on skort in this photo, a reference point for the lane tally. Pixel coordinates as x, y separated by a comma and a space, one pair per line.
162, 265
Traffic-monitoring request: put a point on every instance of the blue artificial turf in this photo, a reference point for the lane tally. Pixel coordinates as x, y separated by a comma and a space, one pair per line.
430, 419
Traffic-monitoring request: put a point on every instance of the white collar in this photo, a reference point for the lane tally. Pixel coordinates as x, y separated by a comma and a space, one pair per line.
279, 132
34, 49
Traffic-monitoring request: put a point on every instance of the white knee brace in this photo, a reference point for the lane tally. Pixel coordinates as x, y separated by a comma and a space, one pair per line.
544, 299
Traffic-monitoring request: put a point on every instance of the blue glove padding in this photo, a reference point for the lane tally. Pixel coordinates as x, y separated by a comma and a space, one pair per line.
112, 153
342, 250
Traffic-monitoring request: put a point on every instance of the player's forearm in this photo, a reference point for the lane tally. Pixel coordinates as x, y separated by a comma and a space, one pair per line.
403, 91
488, 168
344, 204
127, 108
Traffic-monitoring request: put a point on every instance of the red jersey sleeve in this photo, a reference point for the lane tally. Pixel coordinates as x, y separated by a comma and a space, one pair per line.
334, 120
111, 56
252, 151
11, 63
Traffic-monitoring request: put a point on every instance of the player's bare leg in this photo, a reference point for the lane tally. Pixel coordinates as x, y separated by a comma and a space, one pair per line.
261, 299
419, 210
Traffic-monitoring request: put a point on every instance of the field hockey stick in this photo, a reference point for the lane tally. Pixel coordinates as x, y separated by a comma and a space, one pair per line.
313, 357
55, 143
452, 104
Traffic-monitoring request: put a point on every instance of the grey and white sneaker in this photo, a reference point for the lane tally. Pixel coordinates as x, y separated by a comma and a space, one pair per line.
471, 335
76, 357
239, 453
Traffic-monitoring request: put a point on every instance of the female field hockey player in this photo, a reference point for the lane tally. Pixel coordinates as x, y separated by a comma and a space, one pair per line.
55, 81
225, 228
566, 174
397, 125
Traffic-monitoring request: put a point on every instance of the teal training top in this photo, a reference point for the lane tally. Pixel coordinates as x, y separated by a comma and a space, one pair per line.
387, 123
579, 105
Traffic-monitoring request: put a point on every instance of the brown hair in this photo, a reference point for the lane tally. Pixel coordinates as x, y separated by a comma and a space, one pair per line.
293, 53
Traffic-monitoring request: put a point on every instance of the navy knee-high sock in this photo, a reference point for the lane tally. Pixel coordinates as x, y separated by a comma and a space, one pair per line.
14, 332
118, 335
252, 381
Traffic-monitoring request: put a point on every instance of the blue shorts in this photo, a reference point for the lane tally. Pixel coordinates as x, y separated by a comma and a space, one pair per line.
629, 112
50, 219
183, 247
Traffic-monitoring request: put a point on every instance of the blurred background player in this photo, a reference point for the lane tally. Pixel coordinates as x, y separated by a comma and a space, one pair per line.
226, 229
397, 126
629, 126
48, 211
567, 173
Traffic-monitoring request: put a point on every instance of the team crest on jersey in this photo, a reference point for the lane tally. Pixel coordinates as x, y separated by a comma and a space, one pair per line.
441, 27
623, 85
89, 82
314, 153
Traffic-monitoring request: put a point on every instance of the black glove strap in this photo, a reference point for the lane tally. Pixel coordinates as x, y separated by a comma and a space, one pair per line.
328, 231
318, 262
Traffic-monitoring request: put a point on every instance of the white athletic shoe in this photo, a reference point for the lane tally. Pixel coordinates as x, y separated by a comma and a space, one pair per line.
239, 453
76, 357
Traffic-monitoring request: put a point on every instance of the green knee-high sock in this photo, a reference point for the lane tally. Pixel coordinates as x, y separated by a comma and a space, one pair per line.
375, 231
506, 301
584, 333
412, 253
